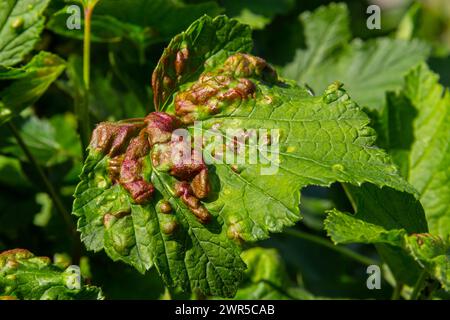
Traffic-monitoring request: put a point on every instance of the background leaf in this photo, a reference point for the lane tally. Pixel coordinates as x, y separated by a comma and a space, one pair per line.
368, 69
430, 252
143, 22
51, 141
266, 278
257, 14
420, 113
24, 276
21, 22
31, 81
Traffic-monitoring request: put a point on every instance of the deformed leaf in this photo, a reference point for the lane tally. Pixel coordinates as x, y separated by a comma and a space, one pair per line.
429, 251
321, 141
184, 251
146, 207
206, 43
25, 276
31, 80
21, 22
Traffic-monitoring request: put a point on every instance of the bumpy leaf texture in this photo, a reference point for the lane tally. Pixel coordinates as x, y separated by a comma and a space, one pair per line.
25, 276
21, 22
189, 219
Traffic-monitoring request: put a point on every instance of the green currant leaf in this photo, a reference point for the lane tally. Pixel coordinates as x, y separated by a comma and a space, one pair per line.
391, 209
25, 276
192, 255
52, 141
188, 219
11, 173
368, 69
420, 112
431, 252
257, 14
21, 22
31, 80
323, 139
206, 43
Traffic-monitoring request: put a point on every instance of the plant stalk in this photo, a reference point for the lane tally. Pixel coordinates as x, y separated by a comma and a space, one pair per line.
83, 109
321, 241
87, 46
397, 291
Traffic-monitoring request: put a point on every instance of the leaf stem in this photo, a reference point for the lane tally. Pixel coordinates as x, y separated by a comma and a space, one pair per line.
419, 285
323, 242
51, 190
87, 46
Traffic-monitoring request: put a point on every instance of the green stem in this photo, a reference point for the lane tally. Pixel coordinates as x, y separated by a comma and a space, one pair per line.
397, 291
419, 285
82, 110
323, 242
87, 46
